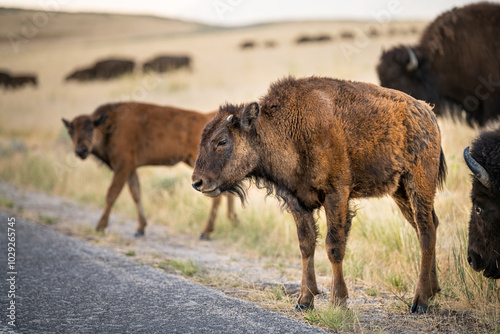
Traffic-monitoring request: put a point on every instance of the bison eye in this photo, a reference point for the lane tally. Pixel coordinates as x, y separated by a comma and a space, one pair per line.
222, 143
478, 210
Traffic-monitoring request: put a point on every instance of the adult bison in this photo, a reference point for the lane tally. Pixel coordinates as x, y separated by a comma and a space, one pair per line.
484, 231
126, 136
17, 81
454, 64
22, 80
322, 142
103, 70
163, 64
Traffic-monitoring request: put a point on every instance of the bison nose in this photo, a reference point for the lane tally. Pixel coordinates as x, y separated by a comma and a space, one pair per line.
197, 185
82, 152
475, 261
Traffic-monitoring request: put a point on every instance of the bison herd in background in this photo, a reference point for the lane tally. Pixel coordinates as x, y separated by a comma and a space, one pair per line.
113, 68
319, 142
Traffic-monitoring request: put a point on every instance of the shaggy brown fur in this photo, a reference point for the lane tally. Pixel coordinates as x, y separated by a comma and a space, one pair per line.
457, 63
126, 136
323, 142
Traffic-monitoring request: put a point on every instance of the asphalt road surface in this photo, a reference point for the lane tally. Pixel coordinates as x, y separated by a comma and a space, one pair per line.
58, 284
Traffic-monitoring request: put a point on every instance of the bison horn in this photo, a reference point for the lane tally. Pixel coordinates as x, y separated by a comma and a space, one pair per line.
478, 170
229, 118
413, 62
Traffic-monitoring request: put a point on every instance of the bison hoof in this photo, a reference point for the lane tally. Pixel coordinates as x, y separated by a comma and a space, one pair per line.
303, 307
204, 237
139, 234
419, 309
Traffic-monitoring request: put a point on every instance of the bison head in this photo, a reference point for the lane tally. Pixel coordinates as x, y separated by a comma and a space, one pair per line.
81, 131
228, 151
406, 69
484, 225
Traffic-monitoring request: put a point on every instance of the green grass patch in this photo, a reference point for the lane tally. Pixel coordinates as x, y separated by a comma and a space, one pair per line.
372, 292
47, 219
6, 203
188, 267
334, 318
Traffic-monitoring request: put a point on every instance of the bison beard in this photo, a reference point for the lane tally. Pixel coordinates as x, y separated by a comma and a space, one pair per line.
320, 142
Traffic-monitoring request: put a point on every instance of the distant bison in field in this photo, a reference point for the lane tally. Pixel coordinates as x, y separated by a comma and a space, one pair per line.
455, 63
312, 39
247, 45
126, 136
103, 70
163, 64
320, 142
22, 80
16, 81
484, 228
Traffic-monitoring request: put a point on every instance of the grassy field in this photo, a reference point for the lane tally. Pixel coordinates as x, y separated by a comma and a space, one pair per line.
382, 250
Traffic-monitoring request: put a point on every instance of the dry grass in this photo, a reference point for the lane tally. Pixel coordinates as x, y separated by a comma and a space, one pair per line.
382, 251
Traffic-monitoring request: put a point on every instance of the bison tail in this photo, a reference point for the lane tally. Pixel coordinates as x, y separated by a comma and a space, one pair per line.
443, 170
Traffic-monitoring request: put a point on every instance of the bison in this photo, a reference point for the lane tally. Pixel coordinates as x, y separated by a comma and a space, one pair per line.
455, 64
484, 231
16, 81
104, 70
321, 142
4, 79
163, 64
22, 80
125, 136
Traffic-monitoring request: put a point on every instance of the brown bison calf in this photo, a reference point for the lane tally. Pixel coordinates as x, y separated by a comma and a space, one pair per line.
323, 142
128, 135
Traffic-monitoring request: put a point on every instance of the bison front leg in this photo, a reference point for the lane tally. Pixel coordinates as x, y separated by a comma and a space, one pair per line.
114, 190
230, 210
427, 279
209, 227
338, 223
135, 191
307, 233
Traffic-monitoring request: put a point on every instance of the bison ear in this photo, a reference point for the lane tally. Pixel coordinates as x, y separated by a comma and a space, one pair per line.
100, 120
249, 115
67, 124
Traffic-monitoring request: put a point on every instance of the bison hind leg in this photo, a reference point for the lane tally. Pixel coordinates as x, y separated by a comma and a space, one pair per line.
425, 227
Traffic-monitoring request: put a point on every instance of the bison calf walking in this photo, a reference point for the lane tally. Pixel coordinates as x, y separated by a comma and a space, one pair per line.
128, 135
322, 142
484, 230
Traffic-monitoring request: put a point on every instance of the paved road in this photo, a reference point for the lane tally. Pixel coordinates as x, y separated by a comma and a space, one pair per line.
64, 285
